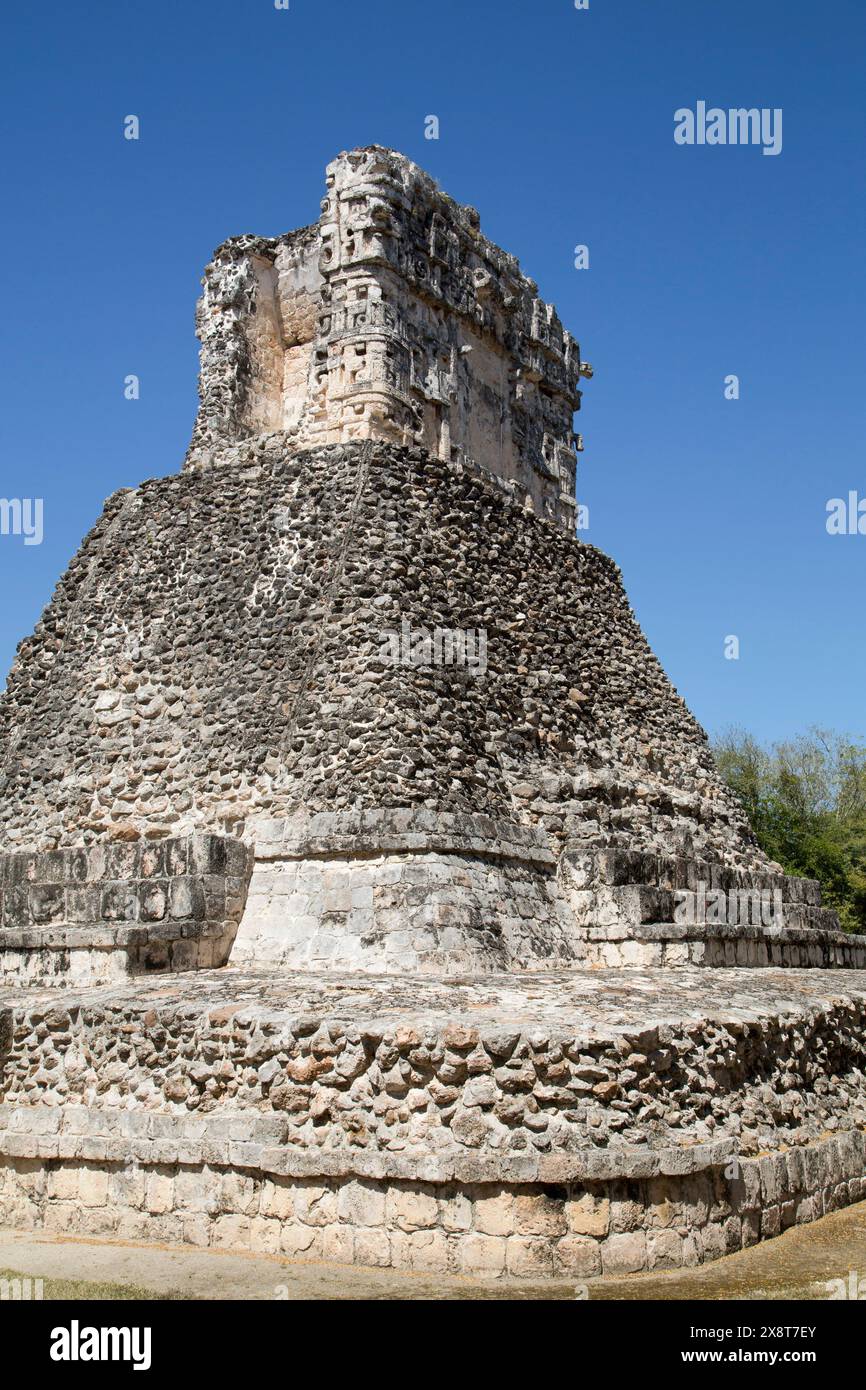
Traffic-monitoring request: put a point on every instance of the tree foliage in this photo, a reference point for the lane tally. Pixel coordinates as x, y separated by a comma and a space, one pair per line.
806, 800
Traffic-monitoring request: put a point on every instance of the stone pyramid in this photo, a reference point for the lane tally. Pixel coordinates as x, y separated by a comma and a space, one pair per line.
358, 633
357, 858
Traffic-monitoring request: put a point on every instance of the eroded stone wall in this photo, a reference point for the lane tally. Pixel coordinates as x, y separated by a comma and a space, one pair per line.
214, 658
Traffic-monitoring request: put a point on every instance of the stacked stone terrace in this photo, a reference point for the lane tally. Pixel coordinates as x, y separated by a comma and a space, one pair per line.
601, 1122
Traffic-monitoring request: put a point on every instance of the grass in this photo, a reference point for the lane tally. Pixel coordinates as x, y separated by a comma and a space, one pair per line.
82, 1290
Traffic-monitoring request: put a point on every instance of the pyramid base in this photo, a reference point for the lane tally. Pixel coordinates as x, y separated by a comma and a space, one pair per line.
568, 1124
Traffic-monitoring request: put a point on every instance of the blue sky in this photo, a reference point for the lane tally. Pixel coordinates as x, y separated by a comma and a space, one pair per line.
557, 125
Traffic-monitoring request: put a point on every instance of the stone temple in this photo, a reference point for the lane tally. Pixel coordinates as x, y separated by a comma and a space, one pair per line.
367, 892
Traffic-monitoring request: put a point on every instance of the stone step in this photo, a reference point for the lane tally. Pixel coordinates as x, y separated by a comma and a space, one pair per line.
672, 945
81, 915
622, 867
633, 904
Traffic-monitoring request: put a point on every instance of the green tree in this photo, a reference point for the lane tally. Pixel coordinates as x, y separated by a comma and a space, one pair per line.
806, 801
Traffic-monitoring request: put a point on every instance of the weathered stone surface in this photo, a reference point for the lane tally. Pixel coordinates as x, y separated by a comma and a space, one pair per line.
76, 917
594, 1074
266, 641
392, 318
446, 801
222, 1114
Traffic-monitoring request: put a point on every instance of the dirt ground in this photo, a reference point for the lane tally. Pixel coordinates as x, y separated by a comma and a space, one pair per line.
816, 1262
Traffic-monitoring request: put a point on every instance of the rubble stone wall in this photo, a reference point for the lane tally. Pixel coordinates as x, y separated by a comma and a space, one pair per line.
215, 657
383, 1067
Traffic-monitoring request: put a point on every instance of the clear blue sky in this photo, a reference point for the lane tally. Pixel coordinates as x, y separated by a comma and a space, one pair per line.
558, 126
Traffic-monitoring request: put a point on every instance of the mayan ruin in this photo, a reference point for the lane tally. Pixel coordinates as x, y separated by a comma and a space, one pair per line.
326, 931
